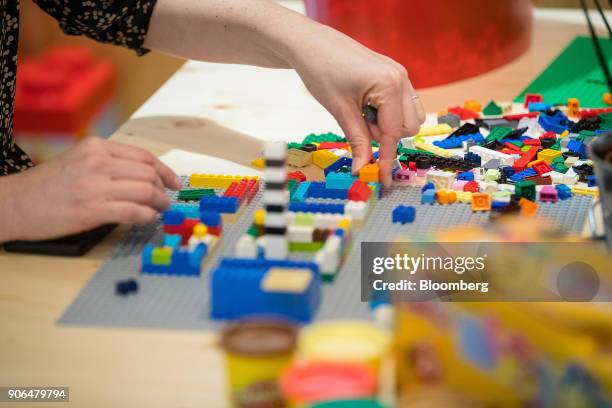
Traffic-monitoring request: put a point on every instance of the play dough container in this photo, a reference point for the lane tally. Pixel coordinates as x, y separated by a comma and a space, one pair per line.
344, 340
306, 383
255, 354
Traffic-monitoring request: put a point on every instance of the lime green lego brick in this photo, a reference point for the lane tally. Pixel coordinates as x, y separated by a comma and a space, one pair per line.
161, 256
304, 219
575, 73
305, 246
195, 194
498, 133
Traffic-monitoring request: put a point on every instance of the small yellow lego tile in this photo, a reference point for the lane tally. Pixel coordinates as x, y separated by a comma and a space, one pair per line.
464, 196
260, 217
215, 180
258, 163
592, 191
548, 155
419, 144
323, 158
564, 134
286, 280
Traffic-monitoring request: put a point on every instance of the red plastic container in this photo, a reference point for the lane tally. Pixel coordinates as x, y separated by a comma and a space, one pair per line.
438, 41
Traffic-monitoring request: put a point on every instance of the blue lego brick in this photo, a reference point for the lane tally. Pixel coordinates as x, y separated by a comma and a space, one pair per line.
473, 157
557, 123
563, 191
466, 176
301, 192
188, 210
338, 164
457, 141
577, 147
428, 186
508, 171
592, 181
538, 106
172, 240
219, 204
327, 208
375, 154
318, 190
496, 205
210, 218
173, 217
428, 196
125, 287
520, 176
342, 181
403, 214
236, 291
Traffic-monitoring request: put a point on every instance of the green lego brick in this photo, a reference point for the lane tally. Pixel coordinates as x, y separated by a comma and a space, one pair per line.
517, 143
323, 137
195, 194
587, 133
498, 133
305, 246
575, 73
492, 109
161, 256
328, 277
560, 167
253, 231
559, 159
526, 189
294, 145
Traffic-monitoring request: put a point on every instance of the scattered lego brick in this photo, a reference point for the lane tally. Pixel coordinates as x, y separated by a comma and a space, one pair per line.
403, 214
126, 287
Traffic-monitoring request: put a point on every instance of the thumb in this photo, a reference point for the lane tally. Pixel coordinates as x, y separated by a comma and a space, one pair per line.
354, 127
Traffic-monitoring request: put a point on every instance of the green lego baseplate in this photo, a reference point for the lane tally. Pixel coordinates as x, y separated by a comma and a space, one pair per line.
575, 73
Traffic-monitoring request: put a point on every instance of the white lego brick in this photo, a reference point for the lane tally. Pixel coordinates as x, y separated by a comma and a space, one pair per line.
246, 247
275, 175
356, 210
276, 247
488, 154
489, 187
275, 219
275, 197
299, 233
408, 142
441, 179
339, 152
327, 221
506, 187
556, 177
275, 150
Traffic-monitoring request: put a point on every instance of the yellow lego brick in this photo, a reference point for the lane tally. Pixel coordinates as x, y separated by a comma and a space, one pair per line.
564, 134
258, 163
323, 158
464, 197
472, 105
287, 280
215, 180
419, 144
260, 217
592, 191
548, 155
435, 130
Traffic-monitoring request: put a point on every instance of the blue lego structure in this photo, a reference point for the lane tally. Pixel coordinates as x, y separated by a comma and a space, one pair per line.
219, 204
210, 218
557, 122
577, 147
338, 164
183, 262
237, 291
457, 141
319, 190
327, 208
341, 181
428, 196
403, 214
520, 176
563, 191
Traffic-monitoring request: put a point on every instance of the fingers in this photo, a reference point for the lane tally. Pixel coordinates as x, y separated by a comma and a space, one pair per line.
140, 193
127, 213
132, 153
121, 169
411, 95
356, 131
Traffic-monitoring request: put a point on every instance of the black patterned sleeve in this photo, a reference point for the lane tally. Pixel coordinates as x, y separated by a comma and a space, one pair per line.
119, 22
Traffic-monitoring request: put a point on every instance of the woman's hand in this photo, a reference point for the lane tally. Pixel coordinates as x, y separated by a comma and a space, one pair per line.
344, 76
95, 182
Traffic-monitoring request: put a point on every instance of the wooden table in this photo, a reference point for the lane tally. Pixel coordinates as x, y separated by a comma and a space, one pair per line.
155, 368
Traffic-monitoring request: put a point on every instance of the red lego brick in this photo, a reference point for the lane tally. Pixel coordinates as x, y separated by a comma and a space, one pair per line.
252, 189
332, 145
519, 116
412, 166
532, 142
297, 176
541, 167
464, 114
526, 158
532, 98
185, 230
587, 113
237, 189
359, 191
515, 149
471, 186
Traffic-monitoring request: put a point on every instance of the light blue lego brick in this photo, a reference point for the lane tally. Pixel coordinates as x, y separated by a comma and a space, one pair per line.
301, 192
538, 106
341, 181
428, 196
189, 210
172, 240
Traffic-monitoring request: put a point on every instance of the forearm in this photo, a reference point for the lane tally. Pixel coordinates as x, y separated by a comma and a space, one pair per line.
7, 211
254, 32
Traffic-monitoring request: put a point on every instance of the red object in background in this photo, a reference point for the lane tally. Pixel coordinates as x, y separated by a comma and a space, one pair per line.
62, 90
438, 41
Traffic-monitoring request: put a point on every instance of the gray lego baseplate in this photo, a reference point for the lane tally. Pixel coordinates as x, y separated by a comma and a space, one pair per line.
173, 302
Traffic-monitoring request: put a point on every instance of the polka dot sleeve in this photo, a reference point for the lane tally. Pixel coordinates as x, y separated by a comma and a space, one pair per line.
119, 22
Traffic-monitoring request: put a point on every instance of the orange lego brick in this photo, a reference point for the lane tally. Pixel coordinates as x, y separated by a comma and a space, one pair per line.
481, 202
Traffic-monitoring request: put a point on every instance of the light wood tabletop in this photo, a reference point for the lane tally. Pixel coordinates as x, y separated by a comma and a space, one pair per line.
155, 368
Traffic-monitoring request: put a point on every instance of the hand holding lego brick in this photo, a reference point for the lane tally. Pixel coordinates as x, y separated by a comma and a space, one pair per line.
96, 182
